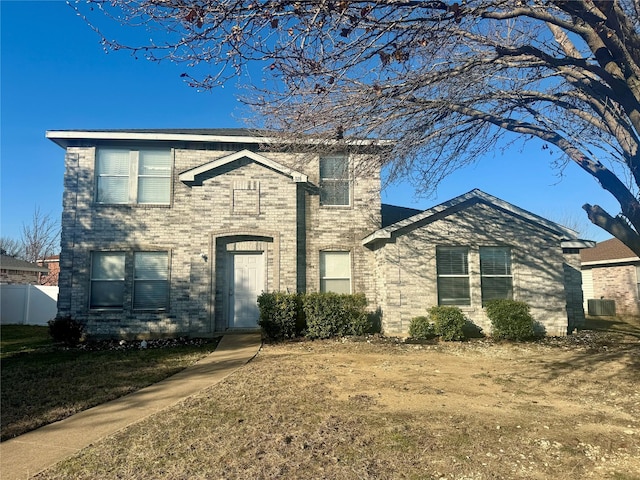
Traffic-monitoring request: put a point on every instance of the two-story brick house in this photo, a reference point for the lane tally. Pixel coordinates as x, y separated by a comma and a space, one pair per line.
172, 232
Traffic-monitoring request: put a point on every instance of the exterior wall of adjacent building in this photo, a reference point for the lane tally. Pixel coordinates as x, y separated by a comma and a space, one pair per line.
619, 282
408, 275
9, 276
204, 223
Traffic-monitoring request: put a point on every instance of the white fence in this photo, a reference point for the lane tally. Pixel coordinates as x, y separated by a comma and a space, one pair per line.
27, 304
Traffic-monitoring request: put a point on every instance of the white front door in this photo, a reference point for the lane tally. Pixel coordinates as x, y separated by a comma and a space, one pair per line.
247, 282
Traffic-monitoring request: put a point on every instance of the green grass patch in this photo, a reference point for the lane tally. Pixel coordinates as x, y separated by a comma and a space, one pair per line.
43, 383
23, 339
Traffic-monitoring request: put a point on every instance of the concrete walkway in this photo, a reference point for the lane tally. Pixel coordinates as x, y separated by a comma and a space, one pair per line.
29, 454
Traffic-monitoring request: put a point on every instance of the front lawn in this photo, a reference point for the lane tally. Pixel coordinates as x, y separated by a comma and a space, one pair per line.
43, 383
558, 408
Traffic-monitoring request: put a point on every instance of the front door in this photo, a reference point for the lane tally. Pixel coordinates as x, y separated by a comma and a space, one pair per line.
247, 282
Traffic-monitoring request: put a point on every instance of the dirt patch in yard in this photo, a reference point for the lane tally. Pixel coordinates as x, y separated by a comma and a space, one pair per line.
380, 408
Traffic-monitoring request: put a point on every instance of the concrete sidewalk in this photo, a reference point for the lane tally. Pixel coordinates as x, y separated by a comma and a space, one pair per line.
28, 454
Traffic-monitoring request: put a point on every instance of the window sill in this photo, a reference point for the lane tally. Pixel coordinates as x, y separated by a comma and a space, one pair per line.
132, 205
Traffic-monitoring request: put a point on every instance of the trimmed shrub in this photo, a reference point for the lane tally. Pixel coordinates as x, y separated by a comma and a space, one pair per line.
449, 322
280, 315
66, 330
510, 320
334, 315
358, 319
421, 328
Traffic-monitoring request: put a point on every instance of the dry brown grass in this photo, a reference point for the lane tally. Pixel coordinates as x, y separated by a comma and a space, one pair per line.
357, 410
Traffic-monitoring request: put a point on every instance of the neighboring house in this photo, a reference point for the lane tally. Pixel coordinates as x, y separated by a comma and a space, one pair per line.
15, 271
611, 271
50, 279
172, 232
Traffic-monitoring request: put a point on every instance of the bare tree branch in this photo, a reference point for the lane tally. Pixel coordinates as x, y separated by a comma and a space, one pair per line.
40, 238
445, 80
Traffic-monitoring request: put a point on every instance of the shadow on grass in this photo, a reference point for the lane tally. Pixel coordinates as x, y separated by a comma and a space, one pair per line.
616, 325
42, 386
608, 345
21, 339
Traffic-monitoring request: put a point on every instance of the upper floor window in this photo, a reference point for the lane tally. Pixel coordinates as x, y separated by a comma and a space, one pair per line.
334, 181
452, 264
335, 272
125, 176
495, 272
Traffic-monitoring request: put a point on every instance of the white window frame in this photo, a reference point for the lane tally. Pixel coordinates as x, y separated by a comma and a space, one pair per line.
134, 176
508, 270
325, 277
94, 280
441, 276
333, 181
162, 279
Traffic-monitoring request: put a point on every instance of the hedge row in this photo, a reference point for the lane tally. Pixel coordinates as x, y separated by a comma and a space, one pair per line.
510, 320
314, 315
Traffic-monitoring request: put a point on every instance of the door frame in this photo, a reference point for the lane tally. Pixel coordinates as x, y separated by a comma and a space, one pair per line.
231, 279
219, 240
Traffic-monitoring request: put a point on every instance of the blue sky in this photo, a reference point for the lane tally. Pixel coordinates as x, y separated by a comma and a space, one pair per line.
55, 75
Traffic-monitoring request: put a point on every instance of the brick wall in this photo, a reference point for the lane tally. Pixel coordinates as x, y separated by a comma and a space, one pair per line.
241, 206
408, 268
619, 283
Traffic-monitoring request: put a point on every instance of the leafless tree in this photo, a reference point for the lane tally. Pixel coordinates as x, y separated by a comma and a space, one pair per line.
10, 247
40, 238
445, 81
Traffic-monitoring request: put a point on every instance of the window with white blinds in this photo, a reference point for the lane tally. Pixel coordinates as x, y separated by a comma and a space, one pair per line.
452, 264
107, 280
334, 181
495, 271
112, 175
151, 280
335, 272
126, 176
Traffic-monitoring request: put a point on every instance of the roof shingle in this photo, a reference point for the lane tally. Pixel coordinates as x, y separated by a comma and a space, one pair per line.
612, 249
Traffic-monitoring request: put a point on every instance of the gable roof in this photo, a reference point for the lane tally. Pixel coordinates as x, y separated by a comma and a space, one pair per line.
189, 176
463, 201
12, 263
609, 251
